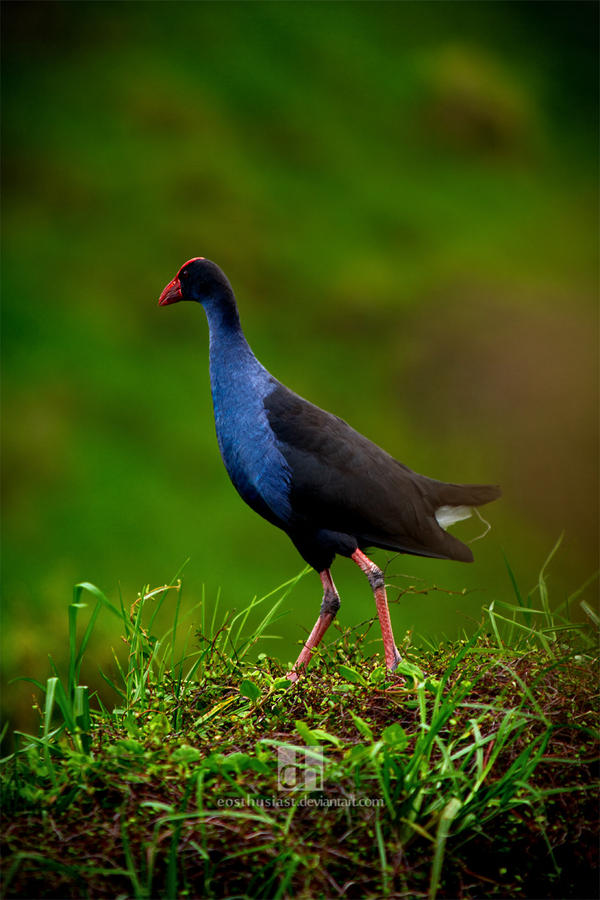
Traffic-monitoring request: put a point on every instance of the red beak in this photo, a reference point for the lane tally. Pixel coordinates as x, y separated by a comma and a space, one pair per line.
171, 294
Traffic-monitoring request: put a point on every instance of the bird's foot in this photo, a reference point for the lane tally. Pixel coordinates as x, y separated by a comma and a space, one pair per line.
395, 662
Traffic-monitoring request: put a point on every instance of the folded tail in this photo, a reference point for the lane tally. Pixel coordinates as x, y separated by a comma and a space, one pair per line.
452, 503
464, 494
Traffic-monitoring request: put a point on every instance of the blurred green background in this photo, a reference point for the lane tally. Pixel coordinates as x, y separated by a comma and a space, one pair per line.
404, 198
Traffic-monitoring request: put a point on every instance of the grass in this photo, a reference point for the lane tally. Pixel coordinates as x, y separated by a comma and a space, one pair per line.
472, 771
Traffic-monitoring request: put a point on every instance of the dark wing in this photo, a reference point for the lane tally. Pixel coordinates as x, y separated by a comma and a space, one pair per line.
343, 482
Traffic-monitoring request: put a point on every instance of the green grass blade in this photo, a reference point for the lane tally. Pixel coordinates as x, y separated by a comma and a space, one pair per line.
98, 594
447, 817
382, 855
513, 581
590, 613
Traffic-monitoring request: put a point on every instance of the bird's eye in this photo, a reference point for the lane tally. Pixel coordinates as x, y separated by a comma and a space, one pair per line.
184, 274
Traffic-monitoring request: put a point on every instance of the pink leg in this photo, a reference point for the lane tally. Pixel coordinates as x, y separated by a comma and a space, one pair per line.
377, 582
329, 607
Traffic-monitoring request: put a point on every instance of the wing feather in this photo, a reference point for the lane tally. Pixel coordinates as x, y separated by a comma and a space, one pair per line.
344, 482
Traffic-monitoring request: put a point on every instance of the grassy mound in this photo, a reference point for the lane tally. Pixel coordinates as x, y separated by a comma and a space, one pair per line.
472, 771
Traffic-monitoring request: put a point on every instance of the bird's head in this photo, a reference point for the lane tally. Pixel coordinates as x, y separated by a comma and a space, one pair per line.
198, 279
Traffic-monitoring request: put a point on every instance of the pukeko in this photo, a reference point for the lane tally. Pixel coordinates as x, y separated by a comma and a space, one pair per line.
308, 472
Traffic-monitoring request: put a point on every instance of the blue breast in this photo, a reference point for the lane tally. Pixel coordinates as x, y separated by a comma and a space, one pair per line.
239, 385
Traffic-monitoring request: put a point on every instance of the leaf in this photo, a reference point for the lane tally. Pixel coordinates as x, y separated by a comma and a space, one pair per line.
159, 725
241, 762
249, 689
305, 732
127, 746
186, 754
395, 736
378, 675
407, 668
322, 735
158, 805
362, 726
351, 675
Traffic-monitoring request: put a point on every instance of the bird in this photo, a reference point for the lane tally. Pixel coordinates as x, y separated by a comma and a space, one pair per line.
308, 472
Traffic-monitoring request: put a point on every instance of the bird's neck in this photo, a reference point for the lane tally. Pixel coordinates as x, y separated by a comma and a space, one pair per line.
222, 314
230, 353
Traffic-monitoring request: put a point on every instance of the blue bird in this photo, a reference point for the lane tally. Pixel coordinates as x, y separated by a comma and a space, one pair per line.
309, 473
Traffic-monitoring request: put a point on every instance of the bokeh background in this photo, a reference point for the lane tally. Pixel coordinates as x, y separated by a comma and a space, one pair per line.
404, 198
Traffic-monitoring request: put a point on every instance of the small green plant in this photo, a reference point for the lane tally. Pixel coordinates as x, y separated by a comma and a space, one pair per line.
214, 776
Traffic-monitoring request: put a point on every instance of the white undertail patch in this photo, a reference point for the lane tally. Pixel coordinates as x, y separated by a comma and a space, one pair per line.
448, 515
